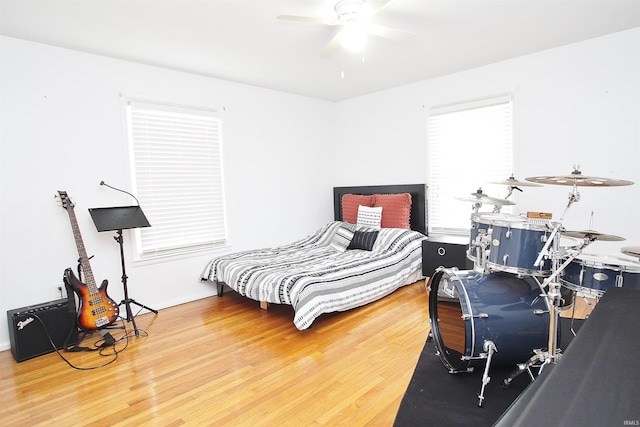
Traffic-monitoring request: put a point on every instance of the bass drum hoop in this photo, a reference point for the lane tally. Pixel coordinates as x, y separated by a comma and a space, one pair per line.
465, 365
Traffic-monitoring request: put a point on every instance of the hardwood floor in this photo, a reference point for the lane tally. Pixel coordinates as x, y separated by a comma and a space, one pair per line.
224, 361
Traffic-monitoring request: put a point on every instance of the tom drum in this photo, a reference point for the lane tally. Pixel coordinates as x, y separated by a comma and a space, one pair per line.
515, 246
481, 225
592, 275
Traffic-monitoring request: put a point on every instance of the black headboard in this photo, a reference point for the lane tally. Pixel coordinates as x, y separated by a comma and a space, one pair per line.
418, 200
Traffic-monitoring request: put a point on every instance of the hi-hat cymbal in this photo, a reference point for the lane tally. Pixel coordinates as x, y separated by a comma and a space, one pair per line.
576, 178
631, 250
512, 182
593, 235
481, 198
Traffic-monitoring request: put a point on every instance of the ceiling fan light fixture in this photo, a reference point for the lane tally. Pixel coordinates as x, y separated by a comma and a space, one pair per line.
353, 26
353, 36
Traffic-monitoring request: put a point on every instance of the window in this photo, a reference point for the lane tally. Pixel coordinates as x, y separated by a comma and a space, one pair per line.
469, 145
176, 163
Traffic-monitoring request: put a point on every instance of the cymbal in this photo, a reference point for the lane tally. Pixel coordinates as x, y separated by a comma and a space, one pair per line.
593, 235
631, 250
512, 182
576, 178
480, 197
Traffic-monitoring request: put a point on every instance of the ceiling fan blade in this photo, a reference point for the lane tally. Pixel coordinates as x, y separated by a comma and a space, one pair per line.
376, 5
332, 46
307, 19
390, 33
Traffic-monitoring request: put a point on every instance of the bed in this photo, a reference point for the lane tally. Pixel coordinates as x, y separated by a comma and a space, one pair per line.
344, 264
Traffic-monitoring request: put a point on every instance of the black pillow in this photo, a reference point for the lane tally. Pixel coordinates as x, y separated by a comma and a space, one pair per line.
363, 240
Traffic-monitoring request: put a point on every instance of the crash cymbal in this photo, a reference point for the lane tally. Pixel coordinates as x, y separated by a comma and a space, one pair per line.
480, 197
593, 235
631, 250
512, 182
576, 178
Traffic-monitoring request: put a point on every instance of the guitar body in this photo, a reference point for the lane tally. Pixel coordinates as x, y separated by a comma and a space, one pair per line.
96, 309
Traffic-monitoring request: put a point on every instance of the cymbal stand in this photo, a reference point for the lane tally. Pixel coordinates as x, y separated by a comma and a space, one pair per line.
574, 196
552, 353
541, 357
510, 191
497, 208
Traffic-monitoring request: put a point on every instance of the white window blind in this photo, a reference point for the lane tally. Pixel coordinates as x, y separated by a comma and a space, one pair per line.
177, 174
469, 145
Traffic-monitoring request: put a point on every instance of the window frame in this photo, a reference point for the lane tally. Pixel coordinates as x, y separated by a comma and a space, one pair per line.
147, 245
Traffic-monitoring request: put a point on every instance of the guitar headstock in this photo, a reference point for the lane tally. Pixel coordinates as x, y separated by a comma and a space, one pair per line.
67, 203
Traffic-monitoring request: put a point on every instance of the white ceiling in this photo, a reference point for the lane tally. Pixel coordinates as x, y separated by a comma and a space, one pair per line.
241, 40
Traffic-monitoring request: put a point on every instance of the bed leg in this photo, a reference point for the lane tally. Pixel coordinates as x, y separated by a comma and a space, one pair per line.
264, 305
219, 288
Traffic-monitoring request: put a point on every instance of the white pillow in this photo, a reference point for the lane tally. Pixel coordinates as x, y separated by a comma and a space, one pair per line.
369, 217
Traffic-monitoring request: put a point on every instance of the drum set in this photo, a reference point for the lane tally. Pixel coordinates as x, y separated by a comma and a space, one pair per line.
506, 309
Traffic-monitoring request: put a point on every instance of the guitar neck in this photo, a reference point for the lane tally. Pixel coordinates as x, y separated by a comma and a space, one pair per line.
82, 253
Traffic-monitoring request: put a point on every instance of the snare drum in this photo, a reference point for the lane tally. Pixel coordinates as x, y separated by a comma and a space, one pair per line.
592, 275
515, 246
468, 308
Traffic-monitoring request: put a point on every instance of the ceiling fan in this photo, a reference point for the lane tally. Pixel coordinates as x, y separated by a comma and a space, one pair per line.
353, 21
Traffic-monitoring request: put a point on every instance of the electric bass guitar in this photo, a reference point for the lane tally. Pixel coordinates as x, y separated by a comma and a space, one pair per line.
96, 309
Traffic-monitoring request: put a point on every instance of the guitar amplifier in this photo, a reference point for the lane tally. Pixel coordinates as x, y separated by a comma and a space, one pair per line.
30, 328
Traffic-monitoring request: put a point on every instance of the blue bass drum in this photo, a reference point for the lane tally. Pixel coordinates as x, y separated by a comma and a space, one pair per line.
468, 308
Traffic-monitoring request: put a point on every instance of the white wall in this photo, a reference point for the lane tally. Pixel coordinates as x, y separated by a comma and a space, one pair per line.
62, 129
577, 104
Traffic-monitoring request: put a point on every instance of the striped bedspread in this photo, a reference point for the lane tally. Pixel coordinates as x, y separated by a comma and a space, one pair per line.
314, 277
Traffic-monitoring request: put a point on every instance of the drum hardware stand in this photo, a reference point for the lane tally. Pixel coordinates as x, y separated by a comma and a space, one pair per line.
553, 353
481, 244
497, 208
490, 348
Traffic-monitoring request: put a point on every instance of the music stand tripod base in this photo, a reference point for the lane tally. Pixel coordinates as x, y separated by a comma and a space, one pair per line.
117, 219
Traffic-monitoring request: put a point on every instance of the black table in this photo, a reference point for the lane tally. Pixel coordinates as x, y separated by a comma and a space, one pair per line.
596, 382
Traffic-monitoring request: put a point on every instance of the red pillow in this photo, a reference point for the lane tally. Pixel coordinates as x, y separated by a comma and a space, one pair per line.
396, 210
350, 203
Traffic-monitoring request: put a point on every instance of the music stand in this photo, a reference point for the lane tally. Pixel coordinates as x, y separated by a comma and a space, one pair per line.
117, 219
